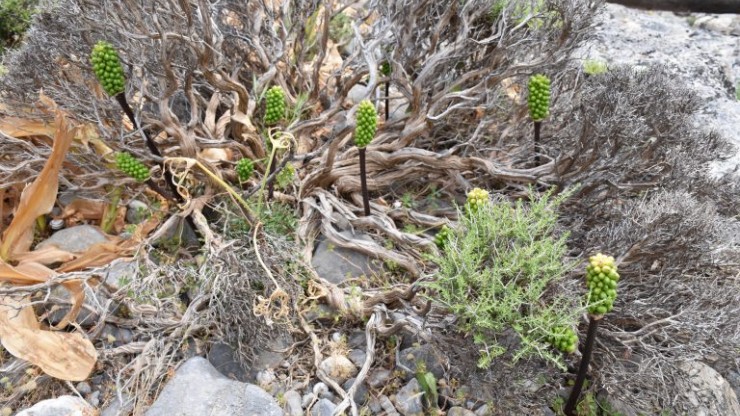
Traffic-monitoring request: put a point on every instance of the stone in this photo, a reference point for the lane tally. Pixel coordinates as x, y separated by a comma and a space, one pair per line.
387, 406
137, 212
484, 410
225, 360
122, 407
460, 411
408, 400
83, 388
413, 356
337, 264
307, 399
293, 403
60, 406
116, 336
713, 394
94, 398
199, 389
270, 357
120, 273
77, 239
323, 407
360, 396
378, 378
357, 357
338, 367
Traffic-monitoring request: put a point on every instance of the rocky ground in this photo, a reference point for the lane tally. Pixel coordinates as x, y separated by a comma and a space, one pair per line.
702, 51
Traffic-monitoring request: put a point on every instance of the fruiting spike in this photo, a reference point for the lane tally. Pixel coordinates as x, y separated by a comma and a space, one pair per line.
477, 198
275, 105
132, 167
107, 67
244, 168
601, 279
564, 339
539, 97
367, 124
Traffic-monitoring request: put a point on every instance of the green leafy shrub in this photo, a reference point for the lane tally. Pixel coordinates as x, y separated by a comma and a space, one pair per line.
594, 67
497, 272
15, 18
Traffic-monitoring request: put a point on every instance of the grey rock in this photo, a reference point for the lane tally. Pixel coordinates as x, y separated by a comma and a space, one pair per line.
357, 357
60, 406
83, 388
483, 411
116, 336
337, 264
94, 398
338, 367
77, 239
374, 406
360, 395
199, 389
119, 407
307, 399
378, 377
320, 389
431, 359
387, 406
460, 411
225, 360
714, 395
357, 340
137, 212
408, 400
323, 407
270, 358
293, 403
120, 273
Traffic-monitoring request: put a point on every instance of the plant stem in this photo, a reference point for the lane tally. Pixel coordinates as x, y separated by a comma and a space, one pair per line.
387, 95
570, 406
537, 128
121, 99
363, 181
271, 184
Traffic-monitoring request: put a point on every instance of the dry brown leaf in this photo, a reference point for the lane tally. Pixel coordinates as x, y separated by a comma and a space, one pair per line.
66, 356
39, 197
84, 209
216, 155
47, 255
97, 255
11, 274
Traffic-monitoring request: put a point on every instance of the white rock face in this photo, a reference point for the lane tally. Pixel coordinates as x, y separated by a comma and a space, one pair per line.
710, 392
199, 389
60, 406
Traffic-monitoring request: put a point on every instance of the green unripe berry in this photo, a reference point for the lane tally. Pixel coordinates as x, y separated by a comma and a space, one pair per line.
132, 167
367, 124
539, 97
443, 236
107, 67
477, 198
274, 105
244, 169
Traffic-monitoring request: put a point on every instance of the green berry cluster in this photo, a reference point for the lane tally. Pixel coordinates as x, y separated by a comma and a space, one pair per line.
107, 67
275, 105
244, 168
539, 97
443, 236
601, 278
132, 167
477, 198
564, 339
385, 68
367, 124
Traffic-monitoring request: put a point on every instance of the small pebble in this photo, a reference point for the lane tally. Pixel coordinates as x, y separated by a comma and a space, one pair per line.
83, 388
